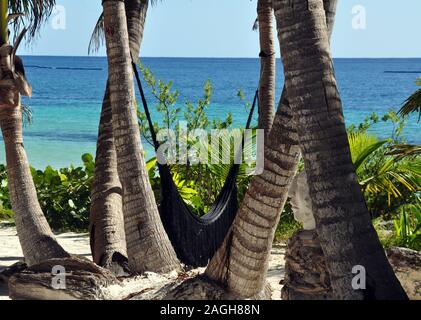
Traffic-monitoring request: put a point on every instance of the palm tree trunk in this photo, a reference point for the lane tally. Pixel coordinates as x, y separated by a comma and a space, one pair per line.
136, 11
35, 236
107, 237
148, 246
330, 12
108, 240
242, 261
268, 64
343, 223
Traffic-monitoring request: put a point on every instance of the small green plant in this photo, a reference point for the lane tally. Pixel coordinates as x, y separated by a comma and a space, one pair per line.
408, 225
6, 214
287, 225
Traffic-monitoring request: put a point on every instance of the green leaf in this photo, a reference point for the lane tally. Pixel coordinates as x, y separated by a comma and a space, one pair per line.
151, 164
87, 158
63, 177
71, 204
367, 152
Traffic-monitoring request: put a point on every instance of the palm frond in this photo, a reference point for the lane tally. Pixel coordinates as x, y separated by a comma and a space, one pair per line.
14, 16
366, 153
30, 14
394, 178
97, 37
256, 25
27, 115
393, 174
362, 146
404, 150
221, 167
413, 104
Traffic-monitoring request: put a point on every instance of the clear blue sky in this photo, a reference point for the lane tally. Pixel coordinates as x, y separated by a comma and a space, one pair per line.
222, 28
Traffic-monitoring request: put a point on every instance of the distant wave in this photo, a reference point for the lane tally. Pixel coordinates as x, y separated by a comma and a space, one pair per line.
63, 68
402, 72
70, 137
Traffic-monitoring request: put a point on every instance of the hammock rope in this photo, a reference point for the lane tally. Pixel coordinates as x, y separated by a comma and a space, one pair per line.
195, 239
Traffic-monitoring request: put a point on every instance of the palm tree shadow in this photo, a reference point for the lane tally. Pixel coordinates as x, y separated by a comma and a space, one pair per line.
4, 259
4, 289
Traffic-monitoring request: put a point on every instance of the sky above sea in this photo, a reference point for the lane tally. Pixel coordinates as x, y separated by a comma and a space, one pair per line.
221, 28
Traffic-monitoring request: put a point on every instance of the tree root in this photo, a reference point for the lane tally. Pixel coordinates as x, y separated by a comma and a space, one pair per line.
83, 280
61, 279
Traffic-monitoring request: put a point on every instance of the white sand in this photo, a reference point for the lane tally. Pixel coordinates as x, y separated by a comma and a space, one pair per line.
78, 244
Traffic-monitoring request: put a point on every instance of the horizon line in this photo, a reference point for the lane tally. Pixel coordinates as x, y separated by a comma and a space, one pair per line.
204, 57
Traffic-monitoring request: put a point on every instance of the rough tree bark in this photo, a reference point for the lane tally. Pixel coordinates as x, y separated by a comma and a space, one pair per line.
265, 17
108, 241
242, 261
148, 246
35, 236
107, 237
344, 226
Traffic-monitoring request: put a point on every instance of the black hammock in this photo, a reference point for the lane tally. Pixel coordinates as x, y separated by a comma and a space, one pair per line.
195, 239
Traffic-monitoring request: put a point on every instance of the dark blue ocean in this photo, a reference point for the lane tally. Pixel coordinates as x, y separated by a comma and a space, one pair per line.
67, 98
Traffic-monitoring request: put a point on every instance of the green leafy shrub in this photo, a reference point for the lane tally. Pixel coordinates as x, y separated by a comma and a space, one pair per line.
6, 214
5, 206
199, 184
407, 226
287, 225
404, 230
389, 172
388, 179
64, 195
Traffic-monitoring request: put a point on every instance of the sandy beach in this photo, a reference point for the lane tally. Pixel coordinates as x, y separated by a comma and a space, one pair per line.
78, 244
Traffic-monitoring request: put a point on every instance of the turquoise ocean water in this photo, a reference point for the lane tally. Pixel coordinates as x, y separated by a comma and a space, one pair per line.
68, 93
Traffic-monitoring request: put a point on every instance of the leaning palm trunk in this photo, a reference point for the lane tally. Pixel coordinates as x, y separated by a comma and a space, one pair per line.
108, 241
35, 236
344, 226
148, 246
242, 261
268, 64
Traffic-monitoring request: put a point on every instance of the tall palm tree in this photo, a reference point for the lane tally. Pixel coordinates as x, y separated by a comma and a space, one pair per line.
148, 246
35, 236
108, 240
344, 226
242, 261
265, 18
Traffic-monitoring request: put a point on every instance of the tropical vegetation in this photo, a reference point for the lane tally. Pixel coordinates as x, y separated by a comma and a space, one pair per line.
353, 176
390, 183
